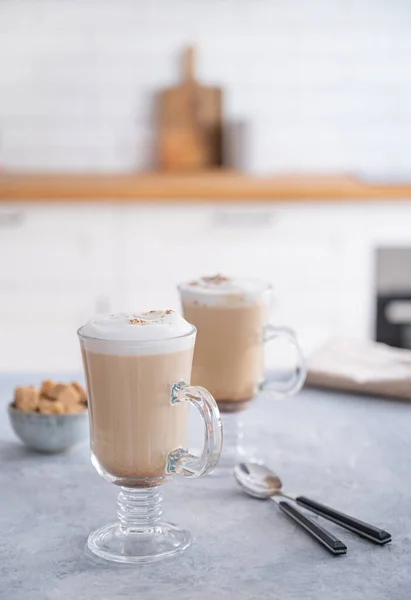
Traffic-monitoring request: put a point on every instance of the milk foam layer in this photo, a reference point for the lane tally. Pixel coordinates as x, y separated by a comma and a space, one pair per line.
153, 332
219, 290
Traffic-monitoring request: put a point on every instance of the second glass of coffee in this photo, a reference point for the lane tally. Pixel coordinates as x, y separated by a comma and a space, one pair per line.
232, 321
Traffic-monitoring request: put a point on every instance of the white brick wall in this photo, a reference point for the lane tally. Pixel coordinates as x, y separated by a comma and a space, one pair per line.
325, 84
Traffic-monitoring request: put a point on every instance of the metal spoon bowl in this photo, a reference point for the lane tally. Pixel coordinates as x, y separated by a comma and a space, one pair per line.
258, 480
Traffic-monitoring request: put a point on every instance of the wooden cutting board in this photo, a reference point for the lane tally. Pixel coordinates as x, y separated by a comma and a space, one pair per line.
190, 123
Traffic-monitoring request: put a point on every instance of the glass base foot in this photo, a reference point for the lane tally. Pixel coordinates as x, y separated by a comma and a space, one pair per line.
117, 544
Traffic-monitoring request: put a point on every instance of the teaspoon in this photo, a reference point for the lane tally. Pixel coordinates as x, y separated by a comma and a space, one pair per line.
264, 482
262, 487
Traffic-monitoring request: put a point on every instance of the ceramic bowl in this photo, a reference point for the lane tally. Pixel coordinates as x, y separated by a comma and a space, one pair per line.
49, 433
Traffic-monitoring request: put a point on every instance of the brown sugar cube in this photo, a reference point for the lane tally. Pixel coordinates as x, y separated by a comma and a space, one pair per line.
79, 388
26, 398
75, 408
50, 407
46, 386
54, 392
69, 398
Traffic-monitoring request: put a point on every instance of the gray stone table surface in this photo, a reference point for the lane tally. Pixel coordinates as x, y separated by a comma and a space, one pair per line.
348, 451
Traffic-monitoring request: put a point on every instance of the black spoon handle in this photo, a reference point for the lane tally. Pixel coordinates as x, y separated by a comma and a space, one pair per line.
379, 536
333, 545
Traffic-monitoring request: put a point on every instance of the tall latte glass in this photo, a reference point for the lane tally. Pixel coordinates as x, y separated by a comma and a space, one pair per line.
138, 370
232, 321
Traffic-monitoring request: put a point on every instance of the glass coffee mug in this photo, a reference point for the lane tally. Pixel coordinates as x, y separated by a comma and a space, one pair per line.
232, 321
138, 371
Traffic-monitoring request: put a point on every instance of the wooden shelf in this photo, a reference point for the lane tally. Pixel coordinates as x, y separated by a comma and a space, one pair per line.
213, 186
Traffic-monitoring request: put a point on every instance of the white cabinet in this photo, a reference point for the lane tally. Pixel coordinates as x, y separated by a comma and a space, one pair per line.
57, 242
61, 263
55, 270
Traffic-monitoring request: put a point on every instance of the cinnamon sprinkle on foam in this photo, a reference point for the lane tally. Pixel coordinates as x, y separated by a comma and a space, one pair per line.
216, 279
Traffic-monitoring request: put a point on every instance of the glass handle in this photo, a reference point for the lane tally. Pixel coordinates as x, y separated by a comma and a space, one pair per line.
276, 388
182, 462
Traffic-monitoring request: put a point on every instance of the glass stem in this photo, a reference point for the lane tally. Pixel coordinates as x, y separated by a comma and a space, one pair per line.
233, 434
139, 509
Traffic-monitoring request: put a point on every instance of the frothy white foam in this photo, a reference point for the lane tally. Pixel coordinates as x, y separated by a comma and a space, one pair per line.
153, 332
225, 291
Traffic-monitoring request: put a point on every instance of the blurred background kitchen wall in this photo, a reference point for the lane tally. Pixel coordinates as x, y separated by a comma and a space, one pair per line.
323, 87
325, 84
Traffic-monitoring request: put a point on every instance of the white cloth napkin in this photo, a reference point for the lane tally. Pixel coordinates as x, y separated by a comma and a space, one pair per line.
360, 366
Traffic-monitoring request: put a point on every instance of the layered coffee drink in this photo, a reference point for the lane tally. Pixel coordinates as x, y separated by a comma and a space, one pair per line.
230, 316
131, 363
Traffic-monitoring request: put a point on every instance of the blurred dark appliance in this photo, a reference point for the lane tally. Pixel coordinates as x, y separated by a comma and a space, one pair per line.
393, 283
